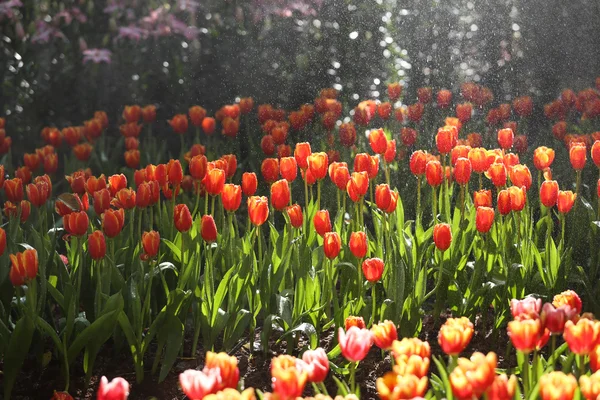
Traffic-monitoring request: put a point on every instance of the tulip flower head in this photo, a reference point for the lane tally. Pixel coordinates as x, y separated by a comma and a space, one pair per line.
355, 343
117, 389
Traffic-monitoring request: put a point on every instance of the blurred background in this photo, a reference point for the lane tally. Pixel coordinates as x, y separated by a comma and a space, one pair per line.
62, 60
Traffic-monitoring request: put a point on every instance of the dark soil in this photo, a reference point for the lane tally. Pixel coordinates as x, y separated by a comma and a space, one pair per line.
254, 371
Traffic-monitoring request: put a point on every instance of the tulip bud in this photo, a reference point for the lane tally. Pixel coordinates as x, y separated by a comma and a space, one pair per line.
294, 213
280, 194
24, 267
358, 244
373, 269
484, 219
442, 236
151, 243
384, 334
182, 218
113, 221
258, 209
332, 244
97, 245
321, 222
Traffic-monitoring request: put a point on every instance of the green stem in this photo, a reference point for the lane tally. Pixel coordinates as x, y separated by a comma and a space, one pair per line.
319, 194
434, 205
353, 366
374, 303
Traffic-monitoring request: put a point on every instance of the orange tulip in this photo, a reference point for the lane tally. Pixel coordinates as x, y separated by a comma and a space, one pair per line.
214, 181
444, 97
590, 386
472, 377
179, 123
197, 115
434, 173
208, 228
411, 346
280, 194
97, 245
524, 333
229, 373
517, 198
317, 164
352, 320
249, 183
568, 298
577, 156
378, 141
484, 219
506, 138
393, 203
503, 388
384, 334
38, 192
413, 365
458, 151
549, 193
13, 188
565, 201
442, 236
132, 158
151, 243
462, 171
182, 218
198, 166
357, 186
394, 91
373, 269
520, 176
384, 110
446, 139
543, 157
301, 153
12, 211
294, 212
454, 336
557, 385
288, 380
258, 209
482, 198
497, 174
582, 337
288, 168
596, 153
390, 152
208, 125
270, 169
149, 113
231, 197
339, 174
132, 113
332, 244
463, 112
113, 221
383, 196
415, 111
246, 105
394, 386
24, 267
76, 223
358, 244
321, 222
418, 162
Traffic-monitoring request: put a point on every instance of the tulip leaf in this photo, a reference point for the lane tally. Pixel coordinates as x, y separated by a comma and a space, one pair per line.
305, 328
16, 351
174, 339
176, 250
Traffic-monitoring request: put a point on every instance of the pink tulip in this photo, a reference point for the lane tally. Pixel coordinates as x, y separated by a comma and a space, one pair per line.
355, 343
117, 389
197, 384
317, 364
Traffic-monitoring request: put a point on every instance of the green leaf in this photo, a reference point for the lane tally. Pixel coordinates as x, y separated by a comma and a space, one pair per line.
17, 350
308, 330
174, 335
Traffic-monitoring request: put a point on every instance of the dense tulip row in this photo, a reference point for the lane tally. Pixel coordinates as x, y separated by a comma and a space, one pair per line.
197, 246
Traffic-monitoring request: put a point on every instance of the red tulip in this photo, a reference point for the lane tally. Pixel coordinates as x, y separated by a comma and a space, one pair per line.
317, 165
288, 168
151, 243
149, 113
384, 334
339, 174
214, 181
520, 176
321, 222
373, 269
577, 156
408, 136
97, 245
301, 153
179, 123
446, 139
280, 194
378, 141
208, 125
197, 115
208, 228
565, 201
549, 193
518, 197
357, 186
506, 138
294, 212
418, 162
24, 267
2, 241
462, 171
543, 157
434, 173
444, 97
484, 219
258, 209
383, 196
13, 188
390, 152
249, 183
76, 223
231, 197
113, 221
270, 169
497, 174
504, 206
332, 244
482, 198
442, 236
358, 244
182, 218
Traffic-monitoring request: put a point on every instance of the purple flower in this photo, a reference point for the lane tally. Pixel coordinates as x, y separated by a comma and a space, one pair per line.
6, 8
132, 33
97, 56
46, 32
